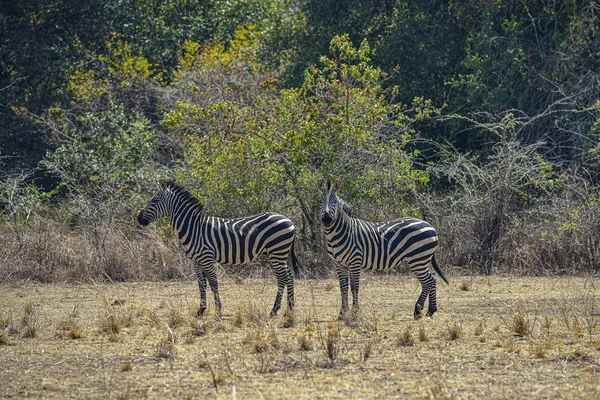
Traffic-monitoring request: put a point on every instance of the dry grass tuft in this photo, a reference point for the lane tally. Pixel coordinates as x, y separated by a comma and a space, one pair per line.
289, 319
406, 339
174, 318
352, 319
115, 318
521, 325
422, 334
69, 327
30, 321
152, 317
332, 343
438, 391
114, 337
199, 327
480, 328
4, 340
370, 323
368, 348
261, 341
465, 285
128, 366
75, 332
306, 339
166, 347
455, 331
249, 313
540, 349
7, 321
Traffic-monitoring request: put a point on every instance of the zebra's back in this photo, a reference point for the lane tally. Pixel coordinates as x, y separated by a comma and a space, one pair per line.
386, 244
236, 241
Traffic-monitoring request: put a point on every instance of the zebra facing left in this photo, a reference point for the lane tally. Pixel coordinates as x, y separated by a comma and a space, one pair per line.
210, 240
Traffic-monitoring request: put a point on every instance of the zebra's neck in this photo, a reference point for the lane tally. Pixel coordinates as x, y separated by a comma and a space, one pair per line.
184, 215
339, 230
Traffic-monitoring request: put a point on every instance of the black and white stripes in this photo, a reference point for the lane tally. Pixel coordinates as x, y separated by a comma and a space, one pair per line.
227, 241
355, 244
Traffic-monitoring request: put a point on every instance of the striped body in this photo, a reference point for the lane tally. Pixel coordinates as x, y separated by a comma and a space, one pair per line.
380, 246
357, 245
212, 240
235, 241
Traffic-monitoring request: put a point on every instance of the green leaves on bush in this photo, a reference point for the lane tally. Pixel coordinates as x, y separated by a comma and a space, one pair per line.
249, 145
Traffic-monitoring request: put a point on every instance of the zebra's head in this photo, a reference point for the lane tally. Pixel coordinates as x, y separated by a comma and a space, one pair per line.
330, 202
157, 206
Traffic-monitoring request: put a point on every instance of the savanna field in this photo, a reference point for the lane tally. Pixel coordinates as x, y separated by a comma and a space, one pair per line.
493, 337
481, 118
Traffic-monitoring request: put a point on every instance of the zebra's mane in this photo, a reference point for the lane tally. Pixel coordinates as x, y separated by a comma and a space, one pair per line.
185, 195
345, 207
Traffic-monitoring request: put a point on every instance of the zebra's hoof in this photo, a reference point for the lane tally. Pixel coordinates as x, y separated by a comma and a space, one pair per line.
273, 314
418, 313
200, 312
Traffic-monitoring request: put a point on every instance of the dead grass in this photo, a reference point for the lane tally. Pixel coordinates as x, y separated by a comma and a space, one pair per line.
30, 321
503, 338
455, 331
407, 338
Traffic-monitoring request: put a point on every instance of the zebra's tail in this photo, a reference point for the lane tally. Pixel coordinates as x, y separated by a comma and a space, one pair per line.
295, 263
438, 270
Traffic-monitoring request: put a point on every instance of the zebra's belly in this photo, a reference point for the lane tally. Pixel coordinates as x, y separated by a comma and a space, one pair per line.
207, 255
381, 265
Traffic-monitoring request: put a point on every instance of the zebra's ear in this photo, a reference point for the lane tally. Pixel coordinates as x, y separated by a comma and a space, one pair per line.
162, 184
337, 186
321, 185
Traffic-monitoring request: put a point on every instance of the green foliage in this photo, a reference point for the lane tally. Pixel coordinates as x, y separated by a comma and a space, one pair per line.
103, 161
248, 152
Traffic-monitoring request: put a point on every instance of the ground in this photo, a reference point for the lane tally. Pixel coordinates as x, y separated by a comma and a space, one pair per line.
493, 337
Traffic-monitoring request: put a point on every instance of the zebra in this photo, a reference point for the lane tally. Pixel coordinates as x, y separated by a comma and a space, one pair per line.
355, 244
209, 240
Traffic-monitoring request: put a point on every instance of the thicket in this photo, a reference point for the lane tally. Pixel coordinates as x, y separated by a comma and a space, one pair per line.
480, 117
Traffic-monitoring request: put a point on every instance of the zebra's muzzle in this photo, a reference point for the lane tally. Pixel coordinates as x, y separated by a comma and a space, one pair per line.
143, 220
327, 220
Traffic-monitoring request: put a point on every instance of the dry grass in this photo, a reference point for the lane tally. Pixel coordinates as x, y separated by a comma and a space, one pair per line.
407, 338
511, 338
455, 331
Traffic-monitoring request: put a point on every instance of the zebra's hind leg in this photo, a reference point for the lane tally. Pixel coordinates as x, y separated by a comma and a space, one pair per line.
289, 281
432, 299
202, 286
343, 278
281, 273
210, 272
427, 280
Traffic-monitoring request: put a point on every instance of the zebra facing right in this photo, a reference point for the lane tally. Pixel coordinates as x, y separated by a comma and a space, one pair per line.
355, 245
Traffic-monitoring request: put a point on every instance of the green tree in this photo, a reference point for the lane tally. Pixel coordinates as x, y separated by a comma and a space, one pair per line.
250, 154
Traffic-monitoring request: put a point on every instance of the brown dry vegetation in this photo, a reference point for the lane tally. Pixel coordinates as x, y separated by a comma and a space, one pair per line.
504, 337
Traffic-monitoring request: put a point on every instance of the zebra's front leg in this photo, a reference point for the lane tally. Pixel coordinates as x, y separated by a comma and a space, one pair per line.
210, 272
202, 286
280, 272
343, 278
354, 285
